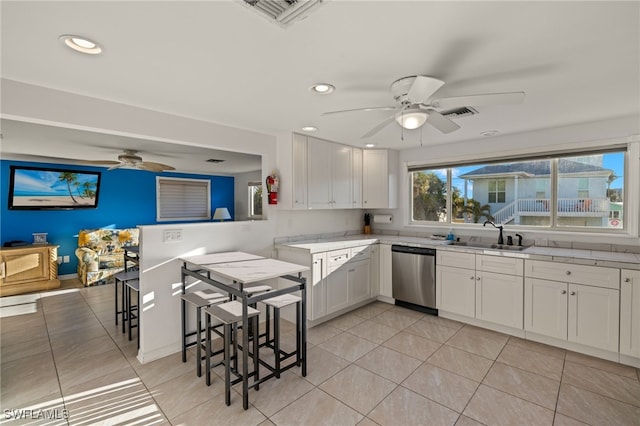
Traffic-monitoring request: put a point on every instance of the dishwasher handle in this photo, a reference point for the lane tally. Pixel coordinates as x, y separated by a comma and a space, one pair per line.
423, 251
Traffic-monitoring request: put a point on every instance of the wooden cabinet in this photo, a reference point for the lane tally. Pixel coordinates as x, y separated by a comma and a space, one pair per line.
379, 179
329, 183
578, 303
28, 268
630, 313
499, 290
456, 282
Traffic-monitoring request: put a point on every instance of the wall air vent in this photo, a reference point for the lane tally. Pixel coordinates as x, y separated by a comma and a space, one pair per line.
459, 112
283, 12
214, 160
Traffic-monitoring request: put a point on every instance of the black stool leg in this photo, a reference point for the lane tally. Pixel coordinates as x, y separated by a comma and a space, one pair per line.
256, 348
115, 286
184, 330
298, 334
276, 338
124, 304
227, 369
208, 349
199, 344
129, 319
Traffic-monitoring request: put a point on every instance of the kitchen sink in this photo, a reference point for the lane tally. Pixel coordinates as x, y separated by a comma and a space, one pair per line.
489, 246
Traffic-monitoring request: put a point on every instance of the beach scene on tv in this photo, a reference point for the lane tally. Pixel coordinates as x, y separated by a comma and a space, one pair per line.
46, 188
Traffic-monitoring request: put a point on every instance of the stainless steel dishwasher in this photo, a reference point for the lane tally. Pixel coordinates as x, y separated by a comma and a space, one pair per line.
413, 277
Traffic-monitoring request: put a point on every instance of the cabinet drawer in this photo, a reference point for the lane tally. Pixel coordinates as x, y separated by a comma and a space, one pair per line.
500, 265
360, 253
579, 274
459, 260
337, 258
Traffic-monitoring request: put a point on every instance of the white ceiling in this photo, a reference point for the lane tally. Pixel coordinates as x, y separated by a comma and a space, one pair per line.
219, 61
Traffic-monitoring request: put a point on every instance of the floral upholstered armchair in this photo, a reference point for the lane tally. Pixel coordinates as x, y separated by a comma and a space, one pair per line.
100, 253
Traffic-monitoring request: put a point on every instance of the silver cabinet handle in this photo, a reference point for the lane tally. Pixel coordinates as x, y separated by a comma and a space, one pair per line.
563, 292
477, 278
472, 277
573, 293
568, 272
627, 280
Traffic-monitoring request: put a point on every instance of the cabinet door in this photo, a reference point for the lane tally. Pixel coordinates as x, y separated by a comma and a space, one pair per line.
359, 281
318, 174
299, 171
385, 271
594, 316
356, 179
630, 313
456, 290
375, 184
341, 176
316, 296
499, 299
374, 274
337, 289
545, 307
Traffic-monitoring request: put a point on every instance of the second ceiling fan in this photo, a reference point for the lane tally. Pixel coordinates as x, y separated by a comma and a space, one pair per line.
415, 107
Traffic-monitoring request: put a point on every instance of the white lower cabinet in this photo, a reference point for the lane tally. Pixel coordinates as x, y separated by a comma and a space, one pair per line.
499, 298
386, 289
359, 282
630, 313
566, 309
337, 289
317, 291
456, 290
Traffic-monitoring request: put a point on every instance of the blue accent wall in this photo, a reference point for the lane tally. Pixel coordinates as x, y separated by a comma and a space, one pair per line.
127, 199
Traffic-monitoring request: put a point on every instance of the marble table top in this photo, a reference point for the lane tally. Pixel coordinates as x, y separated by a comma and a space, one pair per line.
251, 271
222, 257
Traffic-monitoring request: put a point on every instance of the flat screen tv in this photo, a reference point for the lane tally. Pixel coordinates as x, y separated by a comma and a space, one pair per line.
43, 188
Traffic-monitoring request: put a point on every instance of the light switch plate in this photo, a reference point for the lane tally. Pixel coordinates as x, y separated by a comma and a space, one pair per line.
172, 235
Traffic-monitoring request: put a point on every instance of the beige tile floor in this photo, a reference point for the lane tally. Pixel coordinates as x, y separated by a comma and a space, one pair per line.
63, 356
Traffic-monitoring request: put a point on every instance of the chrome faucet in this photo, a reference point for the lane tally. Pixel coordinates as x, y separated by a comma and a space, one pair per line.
499, 227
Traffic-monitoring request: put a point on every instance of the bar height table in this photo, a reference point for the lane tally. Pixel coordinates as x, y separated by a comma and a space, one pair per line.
241, 270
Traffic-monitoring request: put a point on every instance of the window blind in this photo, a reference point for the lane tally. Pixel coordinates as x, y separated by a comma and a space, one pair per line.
183, 199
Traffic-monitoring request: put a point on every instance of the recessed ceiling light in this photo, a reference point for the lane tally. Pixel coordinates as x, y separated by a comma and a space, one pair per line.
309, 129
369, 145
322, 88
490, 133
81, 44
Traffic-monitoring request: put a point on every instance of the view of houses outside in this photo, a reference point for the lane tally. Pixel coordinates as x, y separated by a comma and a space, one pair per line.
589, 192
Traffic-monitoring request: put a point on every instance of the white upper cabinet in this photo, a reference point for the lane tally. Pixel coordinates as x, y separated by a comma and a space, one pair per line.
356, 173
292, 166
330, 176
379, 179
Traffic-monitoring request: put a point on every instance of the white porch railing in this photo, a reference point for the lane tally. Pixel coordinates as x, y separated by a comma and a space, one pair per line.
594, 207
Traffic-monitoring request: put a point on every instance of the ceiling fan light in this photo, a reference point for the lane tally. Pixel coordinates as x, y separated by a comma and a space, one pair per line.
411, 119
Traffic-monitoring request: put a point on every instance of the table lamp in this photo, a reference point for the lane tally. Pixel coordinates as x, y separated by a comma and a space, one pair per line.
221, 214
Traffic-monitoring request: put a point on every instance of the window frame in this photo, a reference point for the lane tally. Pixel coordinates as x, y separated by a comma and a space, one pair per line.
251, 205
625, 149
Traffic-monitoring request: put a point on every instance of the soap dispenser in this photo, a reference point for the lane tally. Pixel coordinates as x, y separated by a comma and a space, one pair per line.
450, 236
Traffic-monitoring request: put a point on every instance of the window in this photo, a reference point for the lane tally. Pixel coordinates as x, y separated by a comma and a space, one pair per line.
588, 193
255, 200
182, 199
497, 190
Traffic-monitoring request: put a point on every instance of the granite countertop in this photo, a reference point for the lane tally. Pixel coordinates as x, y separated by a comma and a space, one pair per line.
567, 255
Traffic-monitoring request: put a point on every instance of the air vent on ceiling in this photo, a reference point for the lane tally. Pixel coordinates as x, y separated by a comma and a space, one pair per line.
459, 112
214, 160
283, 12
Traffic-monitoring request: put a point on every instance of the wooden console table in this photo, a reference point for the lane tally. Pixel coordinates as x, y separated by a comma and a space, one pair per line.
28, 268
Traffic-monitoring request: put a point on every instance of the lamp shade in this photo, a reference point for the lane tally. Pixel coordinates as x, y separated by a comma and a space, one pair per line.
411, 118
221, 213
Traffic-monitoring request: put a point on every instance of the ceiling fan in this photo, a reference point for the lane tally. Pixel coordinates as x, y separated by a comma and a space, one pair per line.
130, 160
415, 107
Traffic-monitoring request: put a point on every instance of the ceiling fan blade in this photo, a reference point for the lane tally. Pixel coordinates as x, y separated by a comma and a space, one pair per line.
384, 108
379, 127
154, 167
441, 122
488, 99
422, 88
99, 162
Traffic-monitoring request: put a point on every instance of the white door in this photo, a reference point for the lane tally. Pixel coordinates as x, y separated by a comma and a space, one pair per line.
594, 316
630, 313
318, 174
316, 295
456, 290
499, 299
545, 307
337, 289
341, 176
359, 281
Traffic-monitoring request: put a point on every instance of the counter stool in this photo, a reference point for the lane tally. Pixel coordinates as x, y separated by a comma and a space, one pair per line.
230, 314
199, 299
277, 303
133, 285
121, 278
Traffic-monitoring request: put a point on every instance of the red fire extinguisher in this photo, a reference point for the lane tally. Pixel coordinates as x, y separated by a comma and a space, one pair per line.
272, 188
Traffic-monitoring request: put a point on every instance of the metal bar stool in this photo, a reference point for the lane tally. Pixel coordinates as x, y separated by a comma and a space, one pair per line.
133, 285
229, 314
199, 299
277, 303
121, 278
